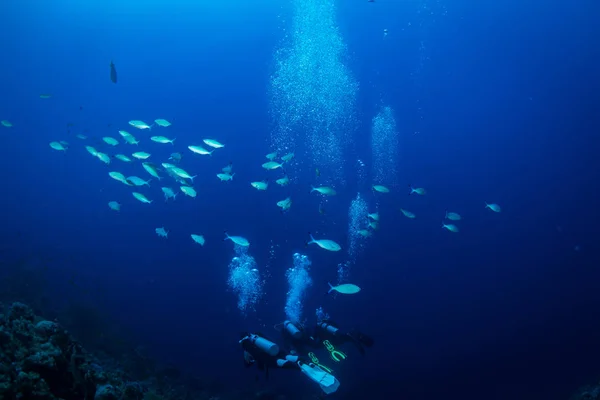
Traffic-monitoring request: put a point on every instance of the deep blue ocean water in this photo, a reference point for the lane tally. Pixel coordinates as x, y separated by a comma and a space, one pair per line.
494, 102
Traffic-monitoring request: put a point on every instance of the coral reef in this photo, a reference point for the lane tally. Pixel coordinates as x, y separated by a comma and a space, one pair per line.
40, 360
587, 393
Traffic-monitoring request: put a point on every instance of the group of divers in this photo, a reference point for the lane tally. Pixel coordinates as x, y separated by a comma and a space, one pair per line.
297, 350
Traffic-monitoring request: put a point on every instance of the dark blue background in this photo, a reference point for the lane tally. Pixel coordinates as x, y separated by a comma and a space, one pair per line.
500, 104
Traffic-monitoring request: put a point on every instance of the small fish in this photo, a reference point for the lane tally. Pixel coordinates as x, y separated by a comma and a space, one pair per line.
119, 177
198, 239
200, 150
452, 216
162, 139
162, 232
115, 206
175, 157
188, 190
381, 189
141, 155
123, 158
110, 141
287, 157
169, 193
162, 122
129, 138
92, 150
271, 156
272, 165
58, 146
374, 216
450, 227
285, 204
113, 72
419, 191
324, 190
228, 168
317, 172
103, 157
180, 172
6, 124
141, 198
374, 225
139, 124
225, 177
494, 207
213, 143
81, 136
151, 169
260, 185
239, 240
283, 181
137, 181
45, 96
365, 233
407, 213
346, 288
324, 243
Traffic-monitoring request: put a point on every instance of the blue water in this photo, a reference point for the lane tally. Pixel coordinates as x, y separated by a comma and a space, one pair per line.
494, 102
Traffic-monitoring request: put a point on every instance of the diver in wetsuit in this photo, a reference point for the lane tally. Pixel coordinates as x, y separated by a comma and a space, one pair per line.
326, 330
296, 339
266, 354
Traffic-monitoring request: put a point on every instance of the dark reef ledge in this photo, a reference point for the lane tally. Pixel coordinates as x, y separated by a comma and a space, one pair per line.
41, 360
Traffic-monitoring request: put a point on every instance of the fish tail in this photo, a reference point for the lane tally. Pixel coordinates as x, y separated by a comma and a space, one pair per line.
330, 288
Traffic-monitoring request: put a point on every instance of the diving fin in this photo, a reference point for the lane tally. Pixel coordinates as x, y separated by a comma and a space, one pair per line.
366, 340
361, 338
328, 383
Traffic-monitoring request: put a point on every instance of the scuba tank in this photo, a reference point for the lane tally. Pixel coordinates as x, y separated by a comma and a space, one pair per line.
327, 327
292, 330
264, 345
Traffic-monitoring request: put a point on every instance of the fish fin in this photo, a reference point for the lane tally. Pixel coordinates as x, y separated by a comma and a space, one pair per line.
172, 142
331, 288
312, 239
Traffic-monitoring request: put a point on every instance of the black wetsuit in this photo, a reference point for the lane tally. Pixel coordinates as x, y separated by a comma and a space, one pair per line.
339, 338
303, 345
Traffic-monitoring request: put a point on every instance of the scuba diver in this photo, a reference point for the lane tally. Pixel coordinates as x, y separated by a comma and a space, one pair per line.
265, 354
299, 341
296, 339
327, 331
